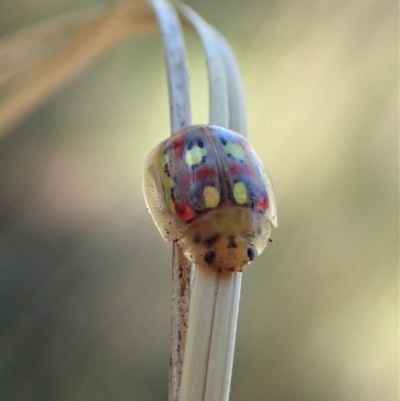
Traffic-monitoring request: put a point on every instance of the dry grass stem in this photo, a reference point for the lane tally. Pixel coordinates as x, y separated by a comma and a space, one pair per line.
90, 34
178, 85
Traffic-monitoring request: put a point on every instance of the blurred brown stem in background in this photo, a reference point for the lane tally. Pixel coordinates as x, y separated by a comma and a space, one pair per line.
24, 89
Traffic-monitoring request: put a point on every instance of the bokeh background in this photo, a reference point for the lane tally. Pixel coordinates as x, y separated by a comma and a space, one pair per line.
84, 275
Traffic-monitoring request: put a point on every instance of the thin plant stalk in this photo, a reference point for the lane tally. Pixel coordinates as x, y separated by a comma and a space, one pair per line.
180, 115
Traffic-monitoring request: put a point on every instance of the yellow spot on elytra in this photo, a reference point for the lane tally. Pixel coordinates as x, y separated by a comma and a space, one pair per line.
164, 159
195, 155
240, 193
211, 197
235, 150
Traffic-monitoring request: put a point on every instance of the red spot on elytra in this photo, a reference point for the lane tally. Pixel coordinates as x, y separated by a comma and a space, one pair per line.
178, 146
184, 212
204, 173
262, 204
239, 169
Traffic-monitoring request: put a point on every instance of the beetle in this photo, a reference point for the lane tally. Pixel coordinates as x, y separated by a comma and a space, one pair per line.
207, 188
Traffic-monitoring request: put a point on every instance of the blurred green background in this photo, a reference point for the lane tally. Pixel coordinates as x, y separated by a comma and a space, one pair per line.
84, 275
